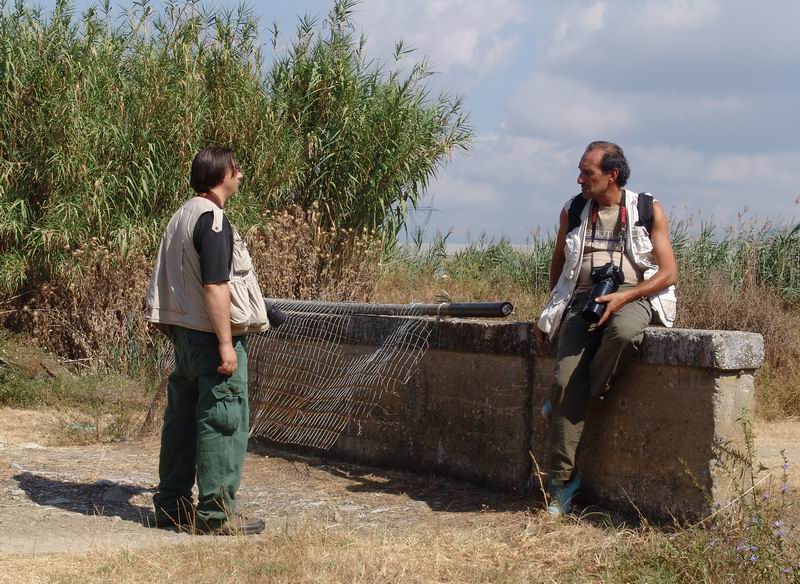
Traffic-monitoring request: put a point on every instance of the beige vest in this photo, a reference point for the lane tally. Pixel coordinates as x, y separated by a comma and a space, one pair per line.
641, 251
175, 294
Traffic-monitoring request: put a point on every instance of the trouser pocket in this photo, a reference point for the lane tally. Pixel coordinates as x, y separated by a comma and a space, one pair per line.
226, 414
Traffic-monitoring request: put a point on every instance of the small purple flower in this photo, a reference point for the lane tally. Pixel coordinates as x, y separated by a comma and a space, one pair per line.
785, 488
717, 505
754, 559
787, 570
755, 520
765, 496
753, 548
778, 523
785, 466
780, 533
740, 547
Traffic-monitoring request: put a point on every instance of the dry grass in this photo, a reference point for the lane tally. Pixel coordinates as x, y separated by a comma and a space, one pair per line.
711, 302
92, 316
519, 548
497, 548
297, 256
398, 284
83, 409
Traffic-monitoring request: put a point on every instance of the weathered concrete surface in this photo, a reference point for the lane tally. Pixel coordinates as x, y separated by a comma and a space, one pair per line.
471, 411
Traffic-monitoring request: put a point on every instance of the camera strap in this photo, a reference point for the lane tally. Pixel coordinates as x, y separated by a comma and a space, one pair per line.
622, 222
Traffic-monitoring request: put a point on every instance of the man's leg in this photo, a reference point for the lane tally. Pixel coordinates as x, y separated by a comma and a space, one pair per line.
621, 337
577, 343
222, 433
176, 465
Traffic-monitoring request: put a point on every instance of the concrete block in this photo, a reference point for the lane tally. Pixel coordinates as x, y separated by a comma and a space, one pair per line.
471, 411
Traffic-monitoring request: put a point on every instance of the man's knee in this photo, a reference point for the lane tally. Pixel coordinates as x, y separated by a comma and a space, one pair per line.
624, 331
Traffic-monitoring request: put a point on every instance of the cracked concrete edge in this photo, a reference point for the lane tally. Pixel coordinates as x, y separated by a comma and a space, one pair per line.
709, 349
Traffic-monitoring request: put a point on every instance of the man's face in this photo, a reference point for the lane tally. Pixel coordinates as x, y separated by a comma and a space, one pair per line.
592, 179
232, 178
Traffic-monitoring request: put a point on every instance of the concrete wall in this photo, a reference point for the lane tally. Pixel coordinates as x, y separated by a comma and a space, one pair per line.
471, 411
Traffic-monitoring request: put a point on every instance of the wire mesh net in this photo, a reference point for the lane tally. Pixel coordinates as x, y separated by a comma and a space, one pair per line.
315, 373
308, 380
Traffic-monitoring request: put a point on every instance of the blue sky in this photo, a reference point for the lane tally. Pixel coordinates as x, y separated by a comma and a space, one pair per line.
702, 95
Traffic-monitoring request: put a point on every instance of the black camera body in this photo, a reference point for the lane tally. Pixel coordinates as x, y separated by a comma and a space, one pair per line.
607, 280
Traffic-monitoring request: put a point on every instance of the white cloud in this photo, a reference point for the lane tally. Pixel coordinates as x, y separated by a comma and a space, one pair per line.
556, 106
669, 15
468, 37
453, 191
718, 185
575, 27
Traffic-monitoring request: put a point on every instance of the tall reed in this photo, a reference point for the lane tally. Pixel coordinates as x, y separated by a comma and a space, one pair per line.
100, 117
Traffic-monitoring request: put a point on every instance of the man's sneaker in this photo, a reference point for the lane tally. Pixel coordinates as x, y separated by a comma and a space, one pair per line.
547, 411
239, 525
559, 497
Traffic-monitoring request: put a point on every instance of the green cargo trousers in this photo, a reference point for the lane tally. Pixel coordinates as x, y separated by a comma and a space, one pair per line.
588, 357
206, 426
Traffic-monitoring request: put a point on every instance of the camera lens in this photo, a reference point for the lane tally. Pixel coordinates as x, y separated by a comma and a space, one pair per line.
593, 311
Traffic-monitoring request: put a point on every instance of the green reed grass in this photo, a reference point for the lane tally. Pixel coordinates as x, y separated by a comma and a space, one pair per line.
100, 116
747, 255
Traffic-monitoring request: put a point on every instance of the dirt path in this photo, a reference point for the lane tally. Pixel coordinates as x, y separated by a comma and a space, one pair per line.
98, 498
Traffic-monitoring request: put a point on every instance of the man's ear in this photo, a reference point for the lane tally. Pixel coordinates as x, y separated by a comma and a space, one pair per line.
613, 174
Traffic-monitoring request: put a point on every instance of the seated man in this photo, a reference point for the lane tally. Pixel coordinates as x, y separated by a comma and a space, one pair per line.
612, 232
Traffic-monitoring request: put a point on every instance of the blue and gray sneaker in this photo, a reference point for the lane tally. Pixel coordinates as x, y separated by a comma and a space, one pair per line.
559, 496
547, 411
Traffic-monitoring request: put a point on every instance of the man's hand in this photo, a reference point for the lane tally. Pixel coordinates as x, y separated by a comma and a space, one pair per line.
666, 275
218, 303
614, 303
228, 359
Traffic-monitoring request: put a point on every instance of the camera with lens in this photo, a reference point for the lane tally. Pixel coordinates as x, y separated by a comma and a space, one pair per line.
606, 280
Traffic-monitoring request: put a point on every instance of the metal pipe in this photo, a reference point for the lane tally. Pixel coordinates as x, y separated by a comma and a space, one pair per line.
455, 309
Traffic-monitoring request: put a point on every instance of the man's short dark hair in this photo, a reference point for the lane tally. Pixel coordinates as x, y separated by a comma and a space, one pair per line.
613, 159
210, 166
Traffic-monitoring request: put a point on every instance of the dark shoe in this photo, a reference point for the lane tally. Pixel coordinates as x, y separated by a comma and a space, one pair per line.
182, 520
239, 525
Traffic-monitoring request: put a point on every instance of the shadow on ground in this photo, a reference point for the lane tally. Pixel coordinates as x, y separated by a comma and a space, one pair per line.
104, 497
440, 494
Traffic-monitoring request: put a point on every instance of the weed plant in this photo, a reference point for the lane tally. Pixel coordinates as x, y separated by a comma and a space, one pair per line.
100, 118
749, 537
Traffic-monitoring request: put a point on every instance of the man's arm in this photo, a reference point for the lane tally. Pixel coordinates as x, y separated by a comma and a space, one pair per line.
556, 264
217, 297
666, 276
559, 257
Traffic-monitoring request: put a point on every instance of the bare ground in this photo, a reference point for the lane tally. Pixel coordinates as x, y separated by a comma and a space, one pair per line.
76, 499
79, 499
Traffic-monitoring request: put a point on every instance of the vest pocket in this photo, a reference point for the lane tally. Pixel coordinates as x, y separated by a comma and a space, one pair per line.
241, 257
641, 240
247, 303
226, 414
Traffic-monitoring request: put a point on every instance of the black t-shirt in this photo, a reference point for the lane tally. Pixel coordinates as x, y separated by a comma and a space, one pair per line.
214, 247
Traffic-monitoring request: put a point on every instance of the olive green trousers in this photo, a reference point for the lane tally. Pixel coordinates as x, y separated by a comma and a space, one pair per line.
204, 437
588, 358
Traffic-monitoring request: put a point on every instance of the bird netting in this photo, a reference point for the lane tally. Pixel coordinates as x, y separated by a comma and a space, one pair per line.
307, 379
311, 376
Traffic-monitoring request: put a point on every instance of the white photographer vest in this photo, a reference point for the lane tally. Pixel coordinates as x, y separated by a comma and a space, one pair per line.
175, 294
639, 247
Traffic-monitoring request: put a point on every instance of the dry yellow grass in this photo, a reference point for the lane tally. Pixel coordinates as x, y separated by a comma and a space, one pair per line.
523, 548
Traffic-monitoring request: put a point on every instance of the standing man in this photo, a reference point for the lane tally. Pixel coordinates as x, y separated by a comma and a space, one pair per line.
606, 230
205, 296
